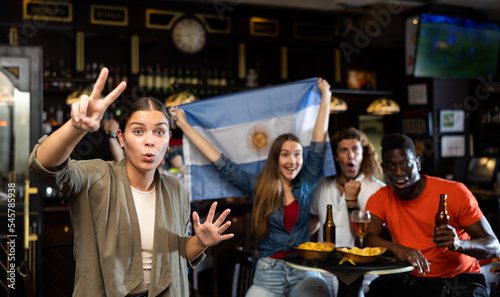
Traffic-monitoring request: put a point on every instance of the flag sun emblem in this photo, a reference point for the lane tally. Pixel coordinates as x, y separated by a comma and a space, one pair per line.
259, 139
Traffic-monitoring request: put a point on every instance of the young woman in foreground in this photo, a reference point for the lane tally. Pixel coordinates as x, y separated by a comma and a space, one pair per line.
130, 222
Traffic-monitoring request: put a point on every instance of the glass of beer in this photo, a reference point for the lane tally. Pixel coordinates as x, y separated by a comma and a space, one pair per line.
360, 220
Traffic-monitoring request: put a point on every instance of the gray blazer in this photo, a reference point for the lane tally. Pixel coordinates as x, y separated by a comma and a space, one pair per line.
107, 243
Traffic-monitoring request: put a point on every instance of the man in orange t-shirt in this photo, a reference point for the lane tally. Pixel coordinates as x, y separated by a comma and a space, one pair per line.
444, 258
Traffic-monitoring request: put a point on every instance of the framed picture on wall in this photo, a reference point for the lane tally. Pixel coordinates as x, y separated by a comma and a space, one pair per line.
416, 122
451, 120
453, 146
361, 79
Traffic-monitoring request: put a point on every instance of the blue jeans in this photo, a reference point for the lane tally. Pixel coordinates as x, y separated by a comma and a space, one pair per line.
273, 278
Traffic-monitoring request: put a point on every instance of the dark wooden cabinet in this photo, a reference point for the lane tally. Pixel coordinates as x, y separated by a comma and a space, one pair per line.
58, 265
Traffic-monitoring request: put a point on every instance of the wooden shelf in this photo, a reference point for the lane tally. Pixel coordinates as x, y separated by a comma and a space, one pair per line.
69, 79
362, 92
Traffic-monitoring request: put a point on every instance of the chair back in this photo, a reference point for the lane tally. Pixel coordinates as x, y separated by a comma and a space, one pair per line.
243, 271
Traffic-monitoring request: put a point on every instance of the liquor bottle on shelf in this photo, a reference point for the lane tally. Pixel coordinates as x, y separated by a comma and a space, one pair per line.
46, 125
61, 73
495, 118
215, 78
46, 69
51, 116
208, 77
117, 77
201, 77
53, 71
149, 78
187, 77
173, 79
46, 74
53, 74
223, 79
87, 72
216, 82
158, 85
59, 115
100, 66
194, 77
231, 79
201, 84
124, 74
94, 72
68, 85
111, 78
165, 81
180, 76
142, 78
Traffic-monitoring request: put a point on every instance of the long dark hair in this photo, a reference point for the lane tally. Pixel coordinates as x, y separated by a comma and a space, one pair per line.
268, 191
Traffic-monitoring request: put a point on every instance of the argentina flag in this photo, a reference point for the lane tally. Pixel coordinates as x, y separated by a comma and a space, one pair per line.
242, 126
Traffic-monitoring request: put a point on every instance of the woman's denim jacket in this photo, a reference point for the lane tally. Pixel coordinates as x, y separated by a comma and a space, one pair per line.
279, 238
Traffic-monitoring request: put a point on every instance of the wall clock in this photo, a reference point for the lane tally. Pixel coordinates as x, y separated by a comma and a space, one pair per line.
189, 35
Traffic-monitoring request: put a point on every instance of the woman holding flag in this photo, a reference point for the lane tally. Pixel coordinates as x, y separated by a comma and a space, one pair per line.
281, 198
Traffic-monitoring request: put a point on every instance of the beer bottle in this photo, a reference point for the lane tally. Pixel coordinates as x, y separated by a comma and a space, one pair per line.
329, 226
442, 217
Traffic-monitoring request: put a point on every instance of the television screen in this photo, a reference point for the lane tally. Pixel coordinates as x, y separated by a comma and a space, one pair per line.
482, 171
455, 47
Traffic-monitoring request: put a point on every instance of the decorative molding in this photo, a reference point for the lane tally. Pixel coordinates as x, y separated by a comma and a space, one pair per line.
134, 61
13, 35
337, 65
54, 11
284, 62
13, 70
264, 27
213, 24
242, 70
312, 31
80, 51
108, 15
161, 19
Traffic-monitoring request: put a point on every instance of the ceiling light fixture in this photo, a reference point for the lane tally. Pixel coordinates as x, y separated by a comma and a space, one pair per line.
179, 98
383, 106
337, 105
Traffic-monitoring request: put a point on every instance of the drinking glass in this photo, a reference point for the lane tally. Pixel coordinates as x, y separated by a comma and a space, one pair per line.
360, 220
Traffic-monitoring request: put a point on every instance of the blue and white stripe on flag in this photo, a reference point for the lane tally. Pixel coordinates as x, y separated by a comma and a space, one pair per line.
242, 126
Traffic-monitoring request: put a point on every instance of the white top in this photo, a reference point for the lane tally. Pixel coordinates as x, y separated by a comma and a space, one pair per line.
327, 192
145, 207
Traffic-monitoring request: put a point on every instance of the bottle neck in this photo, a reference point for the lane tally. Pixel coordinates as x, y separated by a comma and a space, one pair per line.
329, 214
442, 204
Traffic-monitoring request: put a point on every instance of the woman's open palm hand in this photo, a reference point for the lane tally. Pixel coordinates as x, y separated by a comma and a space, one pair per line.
210, 233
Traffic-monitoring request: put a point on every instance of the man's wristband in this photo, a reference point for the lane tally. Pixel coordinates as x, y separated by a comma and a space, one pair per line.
352, 208
351, 205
